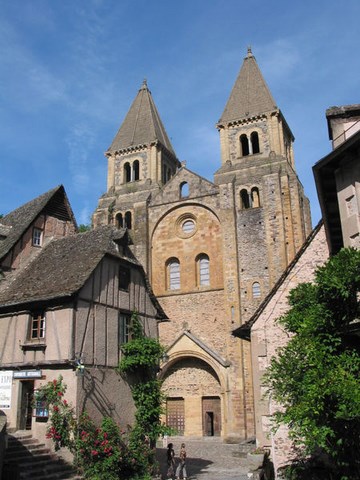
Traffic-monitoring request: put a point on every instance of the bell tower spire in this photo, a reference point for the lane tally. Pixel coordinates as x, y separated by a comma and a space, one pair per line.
252, 116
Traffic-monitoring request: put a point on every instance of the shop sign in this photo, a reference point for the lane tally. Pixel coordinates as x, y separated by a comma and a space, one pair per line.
28, 374
5, 389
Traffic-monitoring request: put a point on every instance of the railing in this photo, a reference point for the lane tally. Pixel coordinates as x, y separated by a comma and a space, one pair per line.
346, 134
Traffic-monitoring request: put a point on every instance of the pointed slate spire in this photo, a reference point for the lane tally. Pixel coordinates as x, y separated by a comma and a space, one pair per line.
142, 124
250, 95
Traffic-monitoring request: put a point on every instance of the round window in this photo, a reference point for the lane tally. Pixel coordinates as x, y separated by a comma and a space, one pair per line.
188, 226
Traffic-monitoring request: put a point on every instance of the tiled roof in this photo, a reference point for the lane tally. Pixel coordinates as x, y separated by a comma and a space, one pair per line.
64, 265
250, 95
142, 125
18, 221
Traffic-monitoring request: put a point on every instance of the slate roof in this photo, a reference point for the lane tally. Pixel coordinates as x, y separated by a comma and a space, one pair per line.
142, 125
14, 224
250, 95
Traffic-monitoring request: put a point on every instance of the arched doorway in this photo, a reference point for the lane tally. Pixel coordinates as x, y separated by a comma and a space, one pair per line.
193, 397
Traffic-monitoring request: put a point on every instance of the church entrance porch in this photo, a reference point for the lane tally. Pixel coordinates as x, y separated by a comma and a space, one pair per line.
193, 398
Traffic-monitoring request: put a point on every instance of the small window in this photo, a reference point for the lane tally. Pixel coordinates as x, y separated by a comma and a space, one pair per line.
173, 273
124, 328
41, 409
256, 291
124, 278
37, 329
37, 237
203, 269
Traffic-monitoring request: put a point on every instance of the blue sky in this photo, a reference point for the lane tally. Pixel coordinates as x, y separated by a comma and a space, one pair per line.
69, 71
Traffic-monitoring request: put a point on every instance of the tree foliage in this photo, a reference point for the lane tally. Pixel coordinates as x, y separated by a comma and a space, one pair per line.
315, 377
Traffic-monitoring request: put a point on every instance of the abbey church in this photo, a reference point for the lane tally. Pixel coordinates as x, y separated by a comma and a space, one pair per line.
211, 250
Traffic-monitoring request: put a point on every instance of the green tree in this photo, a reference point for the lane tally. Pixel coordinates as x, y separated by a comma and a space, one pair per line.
315, 377
84, 228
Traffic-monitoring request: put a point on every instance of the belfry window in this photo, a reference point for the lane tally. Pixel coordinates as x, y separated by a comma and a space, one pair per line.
127, 172
136, 170
203, 269
254, 138
244, 143
173, 274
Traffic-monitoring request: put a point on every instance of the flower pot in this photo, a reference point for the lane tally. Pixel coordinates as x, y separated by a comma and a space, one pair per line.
255, 460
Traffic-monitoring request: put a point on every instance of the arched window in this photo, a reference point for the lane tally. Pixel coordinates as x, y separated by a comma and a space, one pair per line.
244, 143
128, 222
136, 170
173, 274
184, 190
127, 172
255, 197
203, 269
244, 199
254, 138
256, 290
119, 221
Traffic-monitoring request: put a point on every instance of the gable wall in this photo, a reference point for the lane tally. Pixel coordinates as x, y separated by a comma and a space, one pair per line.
23, 251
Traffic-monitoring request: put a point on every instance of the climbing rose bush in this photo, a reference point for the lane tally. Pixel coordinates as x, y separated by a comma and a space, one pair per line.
100, 453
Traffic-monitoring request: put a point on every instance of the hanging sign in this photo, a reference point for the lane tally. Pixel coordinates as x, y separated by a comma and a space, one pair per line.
5, 389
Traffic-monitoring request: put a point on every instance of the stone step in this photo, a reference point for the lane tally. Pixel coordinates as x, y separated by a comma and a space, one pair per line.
26, 458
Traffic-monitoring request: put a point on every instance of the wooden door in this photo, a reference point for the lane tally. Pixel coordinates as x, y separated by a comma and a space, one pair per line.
26, 405
211, 413
175, 414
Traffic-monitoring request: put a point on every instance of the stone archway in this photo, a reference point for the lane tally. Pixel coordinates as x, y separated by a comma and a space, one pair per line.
188, 383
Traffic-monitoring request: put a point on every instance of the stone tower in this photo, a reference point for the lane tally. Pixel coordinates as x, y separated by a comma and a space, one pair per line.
212, 250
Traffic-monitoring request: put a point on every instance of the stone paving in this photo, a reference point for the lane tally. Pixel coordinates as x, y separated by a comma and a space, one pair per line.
208, 458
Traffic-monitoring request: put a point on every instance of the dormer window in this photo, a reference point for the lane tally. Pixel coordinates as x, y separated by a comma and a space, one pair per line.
37, 237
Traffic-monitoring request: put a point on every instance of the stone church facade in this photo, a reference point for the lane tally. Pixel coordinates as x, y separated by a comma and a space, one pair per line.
212, 250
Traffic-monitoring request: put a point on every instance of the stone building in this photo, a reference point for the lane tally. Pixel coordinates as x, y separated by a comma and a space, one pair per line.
212, 250
337, 178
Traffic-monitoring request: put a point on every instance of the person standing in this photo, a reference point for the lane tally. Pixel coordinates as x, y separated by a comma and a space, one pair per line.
170, 457
181, 468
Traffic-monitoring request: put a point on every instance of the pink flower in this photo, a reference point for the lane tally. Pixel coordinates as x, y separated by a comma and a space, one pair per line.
65, 403
56, 408
94, 452
60, 394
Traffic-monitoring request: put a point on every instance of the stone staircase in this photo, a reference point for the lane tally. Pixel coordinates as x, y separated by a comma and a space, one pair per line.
26, 458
